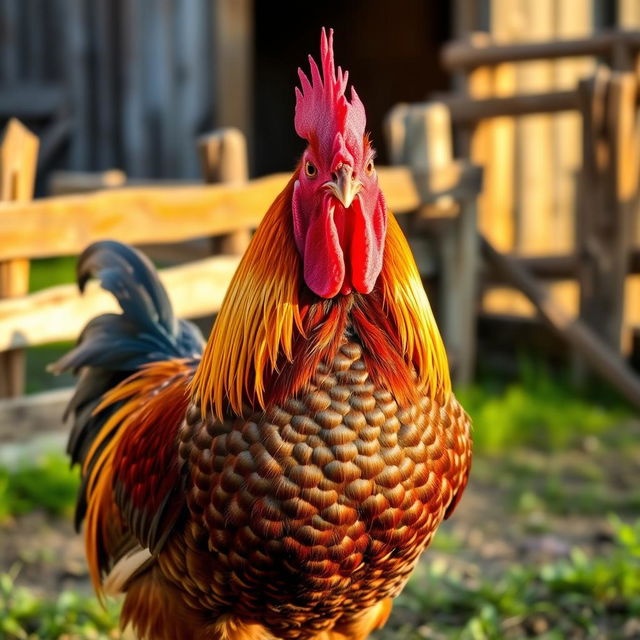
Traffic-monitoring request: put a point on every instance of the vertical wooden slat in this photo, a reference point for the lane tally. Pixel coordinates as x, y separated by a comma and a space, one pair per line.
609, 185
629, 13
469, 16
233, 64
430, 148
629, 18
460, 249
192, 70
154, 68
572, 20
499, 175
223, 158
158, 84
395, 131
535, 139
9, 64
623, 193
103, 71
54, 17
134, 141
76, 79
592, 106
34, 41
18, 159
166, 46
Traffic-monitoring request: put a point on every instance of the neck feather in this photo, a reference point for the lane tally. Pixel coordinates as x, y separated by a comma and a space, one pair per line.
271, 332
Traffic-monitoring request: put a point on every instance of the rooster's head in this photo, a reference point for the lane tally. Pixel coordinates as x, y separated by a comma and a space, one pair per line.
339, 215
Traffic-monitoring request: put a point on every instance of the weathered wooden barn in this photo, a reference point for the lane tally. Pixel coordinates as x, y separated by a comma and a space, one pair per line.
131, 83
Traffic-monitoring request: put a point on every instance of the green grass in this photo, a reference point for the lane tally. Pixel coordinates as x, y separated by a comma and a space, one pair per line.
43, 273
48, 484
572, 482
47, 272
72, 616
557, 497
576, 597
538, 410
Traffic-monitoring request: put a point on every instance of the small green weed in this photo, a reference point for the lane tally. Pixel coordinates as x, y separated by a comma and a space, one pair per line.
539, 410
47, 484
26, 616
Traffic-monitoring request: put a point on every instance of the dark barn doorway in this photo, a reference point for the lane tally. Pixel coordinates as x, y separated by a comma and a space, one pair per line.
391, 49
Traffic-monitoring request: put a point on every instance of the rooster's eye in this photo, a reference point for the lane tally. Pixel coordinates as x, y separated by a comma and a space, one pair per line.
310, 170
369, 168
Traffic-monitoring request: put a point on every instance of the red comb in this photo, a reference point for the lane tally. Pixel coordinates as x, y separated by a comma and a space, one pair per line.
322, 110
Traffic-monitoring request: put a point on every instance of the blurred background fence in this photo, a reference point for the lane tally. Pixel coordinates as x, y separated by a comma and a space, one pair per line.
542, 252
148, 214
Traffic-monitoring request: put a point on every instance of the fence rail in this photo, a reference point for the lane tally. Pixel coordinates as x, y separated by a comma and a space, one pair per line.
59, 313
65, 225
157, 214
595, 194
458, 55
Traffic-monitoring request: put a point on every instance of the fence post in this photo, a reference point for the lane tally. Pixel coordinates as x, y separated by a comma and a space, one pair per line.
609, 192
623, 194
420, 135
18, 159
223, 158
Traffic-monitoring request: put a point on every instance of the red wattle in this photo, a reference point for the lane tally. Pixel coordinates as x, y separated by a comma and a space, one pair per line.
367, 245
323, 257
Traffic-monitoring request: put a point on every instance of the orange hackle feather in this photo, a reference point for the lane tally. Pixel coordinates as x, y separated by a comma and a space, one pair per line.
406, 302
267, 326
258, 317
143, 408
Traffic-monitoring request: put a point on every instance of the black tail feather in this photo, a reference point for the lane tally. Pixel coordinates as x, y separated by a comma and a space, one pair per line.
146, 331
114, 346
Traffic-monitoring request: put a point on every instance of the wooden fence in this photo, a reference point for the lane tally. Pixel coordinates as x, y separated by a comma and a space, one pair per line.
604, 242
437, 191
156, 214
604, 256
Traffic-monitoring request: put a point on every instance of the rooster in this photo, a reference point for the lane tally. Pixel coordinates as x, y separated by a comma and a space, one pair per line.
281, 480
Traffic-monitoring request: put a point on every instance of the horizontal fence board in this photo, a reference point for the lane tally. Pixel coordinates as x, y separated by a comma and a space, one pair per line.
466, 110
25, 417
59, 313
463, 55
65, 225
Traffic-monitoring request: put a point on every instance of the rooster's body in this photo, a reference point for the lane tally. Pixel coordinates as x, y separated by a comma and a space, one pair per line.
283, 482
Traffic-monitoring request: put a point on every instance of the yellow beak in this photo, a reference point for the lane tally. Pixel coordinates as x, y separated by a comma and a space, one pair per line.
345, 187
